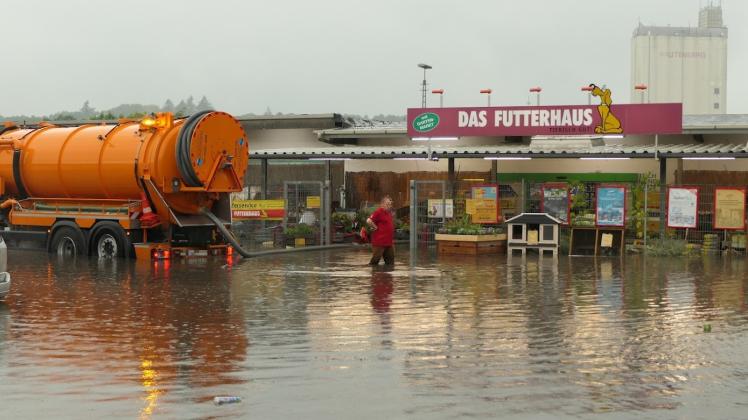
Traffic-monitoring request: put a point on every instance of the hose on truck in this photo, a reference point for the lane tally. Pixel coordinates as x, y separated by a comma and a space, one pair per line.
184, 144
246, 254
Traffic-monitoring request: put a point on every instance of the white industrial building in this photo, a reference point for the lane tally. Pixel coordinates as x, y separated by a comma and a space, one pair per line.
682, 64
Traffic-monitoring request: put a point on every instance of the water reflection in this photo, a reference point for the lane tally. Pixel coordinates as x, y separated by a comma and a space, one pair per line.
324, 335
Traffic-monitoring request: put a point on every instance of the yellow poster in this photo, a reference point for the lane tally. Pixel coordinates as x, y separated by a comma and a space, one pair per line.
729, 204
607, 240
312, 202
482, 210
258, 209
470, 205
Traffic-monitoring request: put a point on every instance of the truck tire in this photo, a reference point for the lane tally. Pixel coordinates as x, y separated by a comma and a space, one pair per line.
68, 241
109, 241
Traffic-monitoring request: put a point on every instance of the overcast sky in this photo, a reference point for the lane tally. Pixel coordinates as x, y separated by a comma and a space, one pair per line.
347, 56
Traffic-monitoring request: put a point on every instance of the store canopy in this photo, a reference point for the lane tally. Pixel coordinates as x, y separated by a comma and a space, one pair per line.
507, 151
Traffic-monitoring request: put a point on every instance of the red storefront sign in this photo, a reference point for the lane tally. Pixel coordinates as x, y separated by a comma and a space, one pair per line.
627, 119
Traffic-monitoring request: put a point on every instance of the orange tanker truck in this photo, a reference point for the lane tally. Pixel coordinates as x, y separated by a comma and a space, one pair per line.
154, 188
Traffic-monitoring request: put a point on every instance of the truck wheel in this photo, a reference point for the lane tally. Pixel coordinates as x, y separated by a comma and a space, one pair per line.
68, 241
109, 243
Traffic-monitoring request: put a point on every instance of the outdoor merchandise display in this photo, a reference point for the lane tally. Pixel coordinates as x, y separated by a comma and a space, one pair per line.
682, 207
556, 202
729, 208
611, 206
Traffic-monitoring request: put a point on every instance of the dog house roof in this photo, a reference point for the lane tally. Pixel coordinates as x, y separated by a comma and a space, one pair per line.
534, 219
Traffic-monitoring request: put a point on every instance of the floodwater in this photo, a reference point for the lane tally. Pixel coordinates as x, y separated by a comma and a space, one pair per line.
320, 335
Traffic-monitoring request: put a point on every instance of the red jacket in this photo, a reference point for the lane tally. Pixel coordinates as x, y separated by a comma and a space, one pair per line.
385, 233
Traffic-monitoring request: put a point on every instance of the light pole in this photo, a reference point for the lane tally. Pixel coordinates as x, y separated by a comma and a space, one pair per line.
588, 89
439, 92
537, 90
423, 95
641, 87
487, 92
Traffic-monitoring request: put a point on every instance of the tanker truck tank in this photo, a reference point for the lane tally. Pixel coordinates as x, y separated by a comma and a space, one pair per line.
80, 178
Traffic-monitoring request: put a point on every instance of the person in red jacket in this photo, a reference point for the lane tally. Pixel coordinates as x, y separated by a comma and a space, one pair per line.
383, 233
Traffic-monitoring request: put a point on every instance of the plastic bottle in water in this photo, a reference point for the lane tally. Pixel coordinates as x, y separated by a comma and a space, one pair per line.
226, 400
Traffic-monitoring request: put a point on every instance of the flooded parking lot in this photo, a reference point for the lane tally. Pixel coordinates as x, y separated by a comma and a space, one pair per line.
321, 335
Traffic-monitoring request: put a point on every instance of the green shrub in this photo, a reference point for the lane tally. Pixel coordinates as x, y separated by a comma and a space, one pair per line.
301, 230
667, 247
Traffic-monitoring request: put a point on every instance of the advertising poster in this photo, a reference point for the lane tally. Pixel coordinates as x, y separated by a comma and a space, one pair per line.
258, 209
485, 203
437, 209
556, 201
729, 208
682, 207
611, 206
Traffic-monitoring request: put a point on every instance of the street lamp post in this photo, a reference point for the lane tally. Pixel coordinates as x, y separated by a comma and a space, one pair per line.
641, 87
487, 92
439, 92
588, 89
537, 90
423, 95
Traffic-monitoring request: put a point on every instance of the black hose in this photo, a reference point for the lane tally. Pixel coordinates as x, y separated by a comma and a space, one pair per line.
246, 254
184, 144
22, 192
6, 129
226, 233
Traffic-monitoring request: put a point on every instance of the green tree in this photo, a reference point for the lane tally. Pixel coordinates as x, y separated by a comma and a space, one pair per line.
204, 104
86, 110
168, 106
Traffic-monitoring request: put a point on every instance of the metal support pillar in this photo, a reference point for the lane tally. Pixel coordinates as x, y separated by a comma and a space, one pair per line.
326, 212
663, 193
451, 177
679, 173
494, 172
413, 216
264, 170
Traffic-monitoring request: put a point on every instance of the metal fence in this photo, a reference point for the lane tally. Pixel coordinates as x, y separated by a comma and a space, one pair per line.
307, 210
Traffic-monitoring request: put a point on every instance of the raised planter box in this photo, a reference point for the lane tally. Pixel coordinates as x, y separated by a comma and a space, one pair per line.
471, 244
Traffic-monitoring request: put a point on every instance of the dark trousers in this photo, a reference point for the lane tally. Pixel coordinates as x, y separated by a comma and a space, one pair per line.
377, 252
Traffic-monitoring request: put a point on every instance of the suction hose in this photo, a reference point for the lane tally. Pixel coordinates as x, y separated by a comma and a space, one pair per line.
226, 233
184, 143
246, 254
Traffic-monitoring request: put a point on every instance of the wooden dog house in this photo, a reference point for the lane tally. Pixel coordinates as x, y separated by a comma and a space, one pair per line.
533, 231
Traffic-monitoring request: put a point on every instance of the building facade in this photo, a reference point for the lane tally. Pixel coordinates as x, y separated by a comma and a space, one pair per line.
682, 64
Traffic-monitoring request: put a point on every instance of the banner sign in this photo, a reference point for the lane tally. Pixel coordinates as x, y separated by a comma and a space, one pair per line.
437, 209
546, 120
556, 202
611, 206
729, 208
682, 207
258, 209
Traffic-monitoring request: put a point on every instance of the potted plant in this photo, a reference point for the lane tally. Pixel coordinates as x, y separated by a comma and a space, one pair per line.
300, 235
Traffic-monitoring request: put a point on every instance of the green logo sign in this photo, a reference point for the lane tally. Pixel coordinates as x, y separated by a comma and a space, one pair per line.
425, 122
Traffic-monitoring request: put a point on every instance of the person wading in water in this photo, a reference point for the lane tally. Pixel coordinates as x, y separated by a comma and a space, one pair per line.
383, 233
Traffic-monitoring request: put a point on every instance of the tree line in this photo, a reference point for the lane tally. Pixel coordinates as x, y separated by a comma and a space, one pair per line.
86, 112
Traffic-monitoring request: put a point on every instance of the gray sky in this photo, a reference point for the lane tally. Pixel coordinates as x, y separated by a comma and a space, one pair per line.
348, 56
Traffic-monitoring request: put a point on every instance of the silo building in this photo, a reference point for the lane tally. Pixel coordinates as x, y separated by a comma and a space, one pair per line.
682, 64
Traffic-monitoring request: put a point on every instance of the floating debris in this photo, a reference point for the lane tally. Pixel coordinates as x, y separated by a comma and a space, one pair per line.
226, 400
